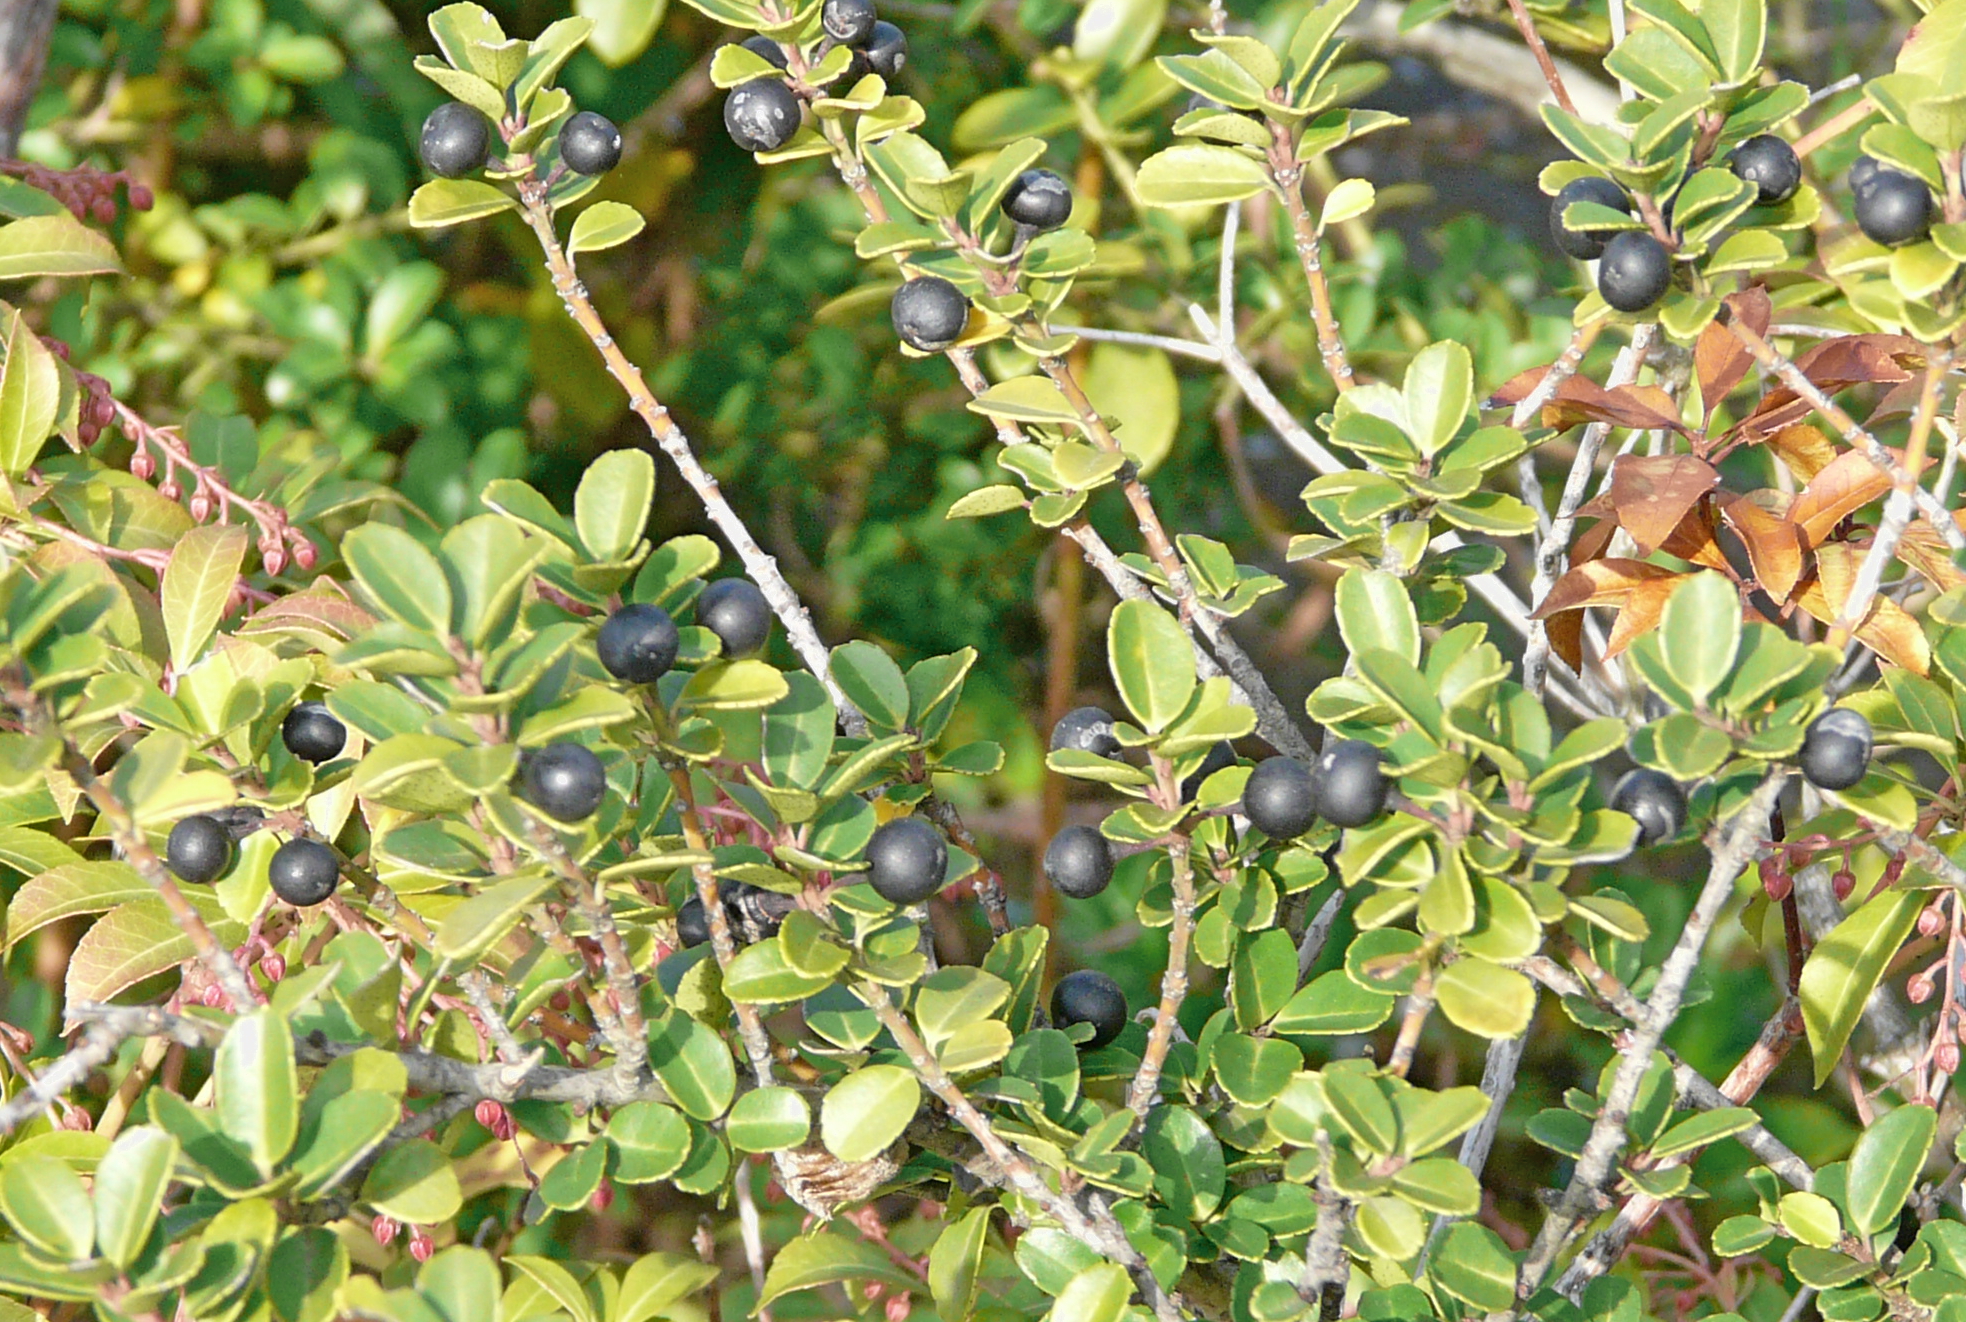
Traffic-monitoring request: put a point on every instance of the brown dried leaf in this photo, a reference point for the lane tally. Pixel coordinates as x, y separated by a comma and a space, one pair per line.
1640, 614
1776, 546
1581, 399
1652, 494
1926, 552
1694, 539
1849, 483
1804, 449
1566, 635
1886, 629
1601, 583
1720, 360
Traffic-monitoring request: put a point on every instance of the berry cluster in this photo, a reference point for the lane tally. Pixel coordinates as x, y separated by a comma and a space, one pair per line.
763, 113
930, 313
210, 493
95, 411
84, 190
457, 140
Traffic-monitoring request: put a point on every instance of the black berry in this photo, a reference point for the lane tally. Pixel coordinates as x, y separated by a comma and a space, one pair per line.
849, 22
1836, 749
1220, 756
1635, 271
456, 140
692, 923
1089, 997
1652, 799
564, 781
199, 849
1039, 198
638, 643
907, 861
929, 313
761, 115
1087, 729
1280, 798
735, 611
1863, 173
1894, 209
304, 872
312, 734
1908, 1227
1351, 783
770, 51
1770, 164
1079, 862
590, 144
1585, 245
887, 50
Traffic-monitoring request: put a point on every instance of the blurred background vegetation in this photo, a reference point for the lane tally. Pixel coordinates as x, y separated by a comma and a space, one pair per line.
275, 279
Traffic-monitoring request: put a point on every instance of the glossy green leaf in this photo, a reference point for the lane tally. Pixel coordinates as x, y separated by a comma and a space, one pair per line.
866, 1111
1199, 173
955, 1262
258, 1087
1885, 1166
604, 225
1472, 1264
611, 505
199, 579
129, 1191
443, 202
1152, 663
1097, 1294
400, 576
305, 1270
44, 1201
1374, 611
413, 1182
768, 1120
1700, 633
655, 1281
1845, 967
30, 396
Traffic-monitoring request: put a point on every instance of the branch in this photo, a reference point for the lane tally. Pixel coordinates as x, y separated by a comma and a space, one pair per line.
1145, 1090
97, 1048
1527, 27
1289, 176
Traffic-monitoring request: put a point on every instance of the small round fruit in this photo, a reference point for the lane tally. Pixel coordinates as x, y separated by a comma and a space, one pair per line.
1079, 862
1088, 730
564, 781
767, 50
1895, 209
1836, 749
1089, 997
1770, 164
312, 734
638, 643
1585, 245
304, 872
1280, 798
1863, 173
1221, 756
456, 141
735, 611
929, 313
590, 144
199, 849
887, 50
761, 115
906, 861
692, 923
1351, 783
1039, 198
849, 22
1635, 271
1652, 799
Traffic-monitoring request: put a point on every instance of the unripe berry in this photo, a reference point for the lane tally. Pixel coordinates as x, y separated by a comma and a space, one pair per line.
603, 1197
1635, 271
273, 559
1079, 862
1771, 165
201, 507
1919, 988
141, 198
1776, 880
169, 489
1842, 883
1040, 199
1585, 245
590, 144
929, 313
761, 115
907, 861
77, 1121
456, 141
304, 553
489, 1113
142, 465
1089, 997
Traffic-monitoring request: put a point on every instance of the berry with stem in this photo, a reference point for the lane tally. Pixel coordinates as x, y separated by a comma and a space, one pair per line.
929, 313
1836, 749
848, 22
1079, 862
198, 849
907, 861
737, 612
312, 734
1771, 165
590, 144
564, 781
761, 115
1038, 200
1894, 209
456, 141
304, 872
1086, 730
887, 50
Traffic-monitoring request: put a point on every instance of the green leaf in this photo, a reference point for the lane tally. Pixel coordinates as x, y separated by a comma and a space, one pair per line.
558, 1283
823, 1258
1473, 1264
1374, 612
400, 576
305, 1270
1190, 173
1741, 1235
761, 975
1151, 661
694, 1067
869, 677
1700, 633
258, 1087
655, 1281
1811, 1218
1026, 399
573, 1180
1351, 199
611, 505
1845, 968
348, 1128
1363, 1110
1438, 388
443, 202
1190, 1171
462, 86
1253, 1070
1137, 389
44, 1201
1702, 1128
622, 28
134, 941
651, 1141
1331, 1004
490, 563
1097, 1294
956, 1260
1264, 977
734, 686
475, 926
1738, 30
866, 1111
54, 245
414, 1182
768, 1120
1485, 999
198, 580
993, 499
1886, 1165
30, 398
1440, 1185
129, 1191
463, 1284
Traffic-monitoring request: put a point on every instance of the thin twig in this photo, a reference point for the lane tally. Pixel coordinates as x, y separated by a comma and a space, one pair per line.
1145, 1089
1534, 39
757, 1043
1289, 177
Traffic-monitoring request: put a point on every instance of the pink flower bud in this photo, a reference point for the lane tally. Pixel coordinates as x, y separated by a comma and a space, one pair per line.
1776, 882
274, 967
88, 434
102, 410
1894, 869
421, 1245
274, 560
1931, 920
872, 1290
1843, 883
385, 1230
104, 210
169, 489
489, 1113
1919, 988
603, 1197
211, 998
899, 1305
143, 465
77, 1120
141, 197
1946, 1056
304, 553
201, 507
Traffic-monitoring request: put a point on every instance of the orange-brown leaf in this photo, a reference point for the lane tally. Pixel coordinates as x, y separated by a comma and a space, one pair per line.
1581, 399
1926, 552
1849, 483
1776, 547
1600, 583
1653, 493
1720, 360
1886, 629
1804, 449
1694, 540
1566, 635
1640, 613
